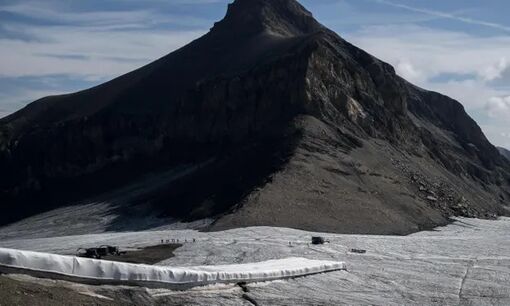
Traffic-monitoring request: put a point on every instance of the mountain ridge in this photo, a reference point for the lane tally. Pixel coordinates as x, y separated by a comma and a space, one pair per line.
294, 118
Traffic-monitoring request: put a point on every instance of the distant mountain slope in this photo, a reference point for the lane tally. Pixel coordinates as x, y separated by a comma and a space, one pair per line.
287, 124
504, 152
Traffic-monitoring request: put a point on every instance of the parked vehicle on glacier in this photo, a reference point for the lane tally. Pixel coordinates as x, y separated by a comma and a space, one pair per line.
88, 253
319, 240
98, 253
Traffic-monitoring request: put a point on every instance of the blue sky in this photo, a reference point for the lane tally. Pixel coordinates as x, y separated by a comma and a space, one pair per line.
457, 47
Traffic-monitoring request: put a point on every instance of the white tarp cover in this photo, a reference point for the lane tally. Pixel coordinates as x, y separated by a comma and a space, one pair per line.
108, 271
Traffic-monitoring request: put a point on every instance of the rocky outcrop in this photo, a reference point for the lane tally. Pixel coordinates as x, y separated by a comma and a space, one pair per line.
269, 99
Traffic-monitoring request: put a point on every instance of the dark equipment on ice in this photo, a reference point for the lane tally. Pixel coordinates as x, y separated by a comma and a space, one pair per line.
88, 253
359, 251
111, 250
99, 252
318, 240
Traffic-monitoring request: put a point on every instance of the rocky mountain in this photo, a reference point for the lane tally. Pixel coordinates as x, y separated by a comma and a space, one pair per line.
281, 121
504, 152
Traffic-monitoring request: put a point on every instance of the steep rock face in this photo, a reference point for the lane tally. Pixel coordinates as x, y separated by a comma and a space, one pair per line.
384, 156
288, 118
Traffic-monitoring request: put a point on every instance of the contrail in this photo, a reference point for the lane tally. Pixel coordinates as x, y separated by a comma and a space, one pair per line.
446, 15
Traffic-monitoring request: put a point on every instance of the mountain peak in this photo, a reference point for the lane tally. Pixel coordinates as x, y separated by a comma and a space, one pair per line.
269, 109
281, 17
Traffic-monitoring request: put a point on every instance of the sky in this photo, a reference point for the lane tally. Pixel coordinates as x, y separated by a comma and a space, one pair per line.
457, 47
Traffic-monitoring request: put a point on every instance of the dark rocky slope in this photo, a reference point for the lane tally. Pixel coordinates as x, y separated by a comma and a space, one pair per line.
504, 152
292, 126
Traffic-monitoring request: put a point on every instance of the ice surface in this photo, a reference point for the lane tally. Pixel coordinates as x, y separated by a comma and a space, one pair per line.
52, 265
464, 263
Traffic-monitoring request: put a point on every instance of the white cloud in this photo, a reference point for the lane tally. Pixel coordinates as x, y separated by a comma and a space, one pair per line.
506, 135
495, 71
407, 70
433, 51
498, 107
